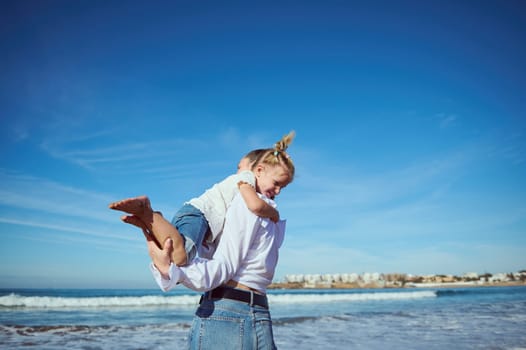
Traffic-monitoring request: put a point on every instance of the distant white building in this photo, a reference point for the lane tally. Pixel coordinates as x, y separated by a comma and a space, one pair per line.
499, 277
369, 277
349, 277
336, 277
312, 279
376, 276
326, 277
354, 277
366, 277
295, 278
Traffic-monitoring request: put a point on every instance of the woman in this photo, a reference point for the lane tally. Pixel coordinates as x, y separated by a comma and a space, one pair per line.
233, 312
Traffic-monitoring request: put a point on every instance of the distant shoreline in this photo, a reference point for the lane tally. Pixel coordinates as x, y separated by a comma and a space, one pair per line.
409, 285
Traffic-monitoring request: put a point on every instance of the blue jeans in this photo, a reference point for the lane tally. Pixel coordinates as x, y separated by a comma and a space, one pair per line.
224, 324
193, 226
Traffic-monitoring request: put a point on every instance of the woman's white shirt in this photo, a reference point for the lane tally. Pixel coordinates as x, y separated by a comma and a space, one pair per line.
247, 252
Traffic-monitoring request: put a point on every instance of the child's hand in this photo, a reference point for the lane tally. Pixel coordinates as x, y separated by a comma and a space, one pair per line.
275, 216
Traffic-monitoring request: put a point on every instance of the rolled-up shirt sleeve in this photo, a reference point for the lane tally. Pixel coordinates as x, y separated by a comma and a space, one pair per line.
163, 283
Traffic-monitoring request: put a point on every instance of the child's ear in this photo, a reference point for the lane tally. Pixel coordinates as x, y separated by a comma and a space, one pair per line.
259, 169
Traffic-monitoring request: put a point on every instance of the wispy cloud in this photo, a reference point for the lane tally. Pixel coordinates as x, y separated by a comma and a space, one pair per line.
398, 220
29, 192
510, 147
99, 152
76, 238
100, 158
352, 189
446, 120
93, 230
416, 202
19, 133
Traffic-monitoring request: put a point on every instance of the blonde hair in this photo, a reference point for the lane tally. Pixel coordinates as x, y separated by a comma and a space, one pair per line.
278, 155
253, 155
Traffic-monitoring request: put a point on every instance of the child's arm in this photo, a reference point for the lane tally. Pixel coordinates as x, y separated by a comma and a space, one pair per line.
255, 204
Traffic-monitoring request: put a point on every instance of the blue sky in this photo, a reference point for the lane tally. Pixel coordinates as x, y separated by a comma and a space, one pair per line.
410, 122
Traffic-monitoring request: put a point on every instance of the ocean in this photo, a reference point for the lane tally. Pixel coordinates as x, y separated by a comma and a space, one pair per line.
432, 318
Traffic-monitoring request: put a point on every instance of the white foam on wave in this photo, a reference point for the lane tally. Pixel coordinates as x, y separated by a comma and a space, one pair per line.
41, 302
339, 297
18, 301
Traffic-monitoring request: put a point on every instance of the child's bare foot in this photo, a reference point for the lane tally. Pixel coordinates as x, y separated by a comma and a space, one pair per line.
135, 221
138, 206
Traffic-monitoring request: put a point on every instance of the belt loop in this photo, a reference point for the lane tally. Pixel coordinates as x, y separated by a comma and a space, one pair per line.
251, 298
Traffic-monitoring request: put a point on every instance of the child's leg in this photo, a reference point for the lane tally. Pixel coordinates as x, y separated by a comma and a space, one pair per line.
193, 226
162, 229
154, 223
134, 220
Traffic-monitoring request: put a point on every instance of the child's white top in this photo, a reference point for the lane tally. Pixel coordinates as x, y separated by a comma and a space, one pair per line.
215, 201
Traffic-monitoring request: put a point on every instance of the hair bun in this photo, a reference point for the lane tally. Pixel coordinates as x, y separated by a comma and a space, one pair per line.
283, 144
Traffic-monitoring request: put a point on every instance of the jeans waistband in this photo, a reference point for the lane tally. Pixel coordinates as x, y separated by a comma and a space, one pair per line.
246, 296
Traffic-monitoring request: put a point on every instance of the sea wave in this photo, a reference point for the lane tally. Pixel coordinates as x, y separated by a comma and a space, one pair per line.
14, 300
17, 301
347, 297
155, 336
62, 329
480, 291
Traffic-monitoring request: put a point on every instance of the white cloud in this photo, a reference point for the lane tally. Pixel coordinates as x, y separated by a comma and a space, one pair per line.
28, 192
445, 120
147, 154
70, 227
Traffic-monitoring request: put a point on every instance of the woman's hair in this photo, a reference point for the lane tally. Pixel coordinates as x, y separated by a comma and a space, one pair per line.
277, 155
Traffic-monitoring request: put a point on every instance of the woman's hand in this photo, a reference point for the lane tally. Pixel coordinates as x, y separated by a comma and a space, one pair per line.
161, 257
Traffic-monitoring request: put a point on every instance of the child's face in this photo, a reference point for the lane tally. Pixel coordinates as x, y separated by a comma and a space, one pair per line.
270, 180
244, 164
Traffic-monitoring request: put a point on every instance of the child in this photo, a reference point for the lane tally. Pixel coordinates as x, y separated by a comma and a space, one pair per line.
205, 215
